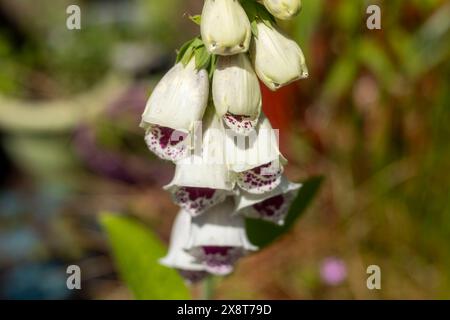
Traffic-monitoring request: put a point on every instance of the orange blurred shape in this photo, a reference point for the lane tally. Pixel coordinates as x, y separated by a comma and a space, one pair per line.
279, 106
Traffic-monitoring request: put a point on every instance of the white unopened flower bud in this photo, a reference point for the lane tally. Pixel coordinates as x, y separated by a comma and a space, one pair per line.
177, 257
272, 206
225, 27
283, 9
178, 100
236, 93
203, 180
218, 238
278, 60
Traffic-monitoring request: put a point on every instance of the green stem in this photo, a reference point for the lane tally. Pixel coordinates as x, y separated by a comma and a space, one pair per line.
208, 288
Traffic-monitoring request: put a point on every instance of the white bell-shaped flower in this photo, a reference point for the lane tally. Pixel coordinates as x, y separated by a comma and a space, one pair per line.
272, 206
283, 9
218, 238
255, 159
236, 93
203, 180
225, 27
177, 257
278, 60
177, 102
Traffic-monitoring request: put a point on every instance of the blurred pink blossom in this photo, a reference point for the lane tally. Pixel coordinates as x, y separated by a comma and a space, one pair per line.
333, 271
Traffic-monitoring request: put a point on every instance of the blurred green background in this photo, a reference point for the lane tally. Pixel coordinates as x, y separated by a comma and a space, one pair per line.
373, 118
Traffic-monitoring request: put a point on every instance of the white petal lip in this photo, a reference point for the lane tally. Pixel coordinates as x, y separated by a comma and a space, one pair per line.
177, 257
225, 27
278, 60
241, 125
179, 99
219, 227
262, 179
245, 200
283, 9
171, 150
235, 87
255, 150
209, 176
197, 201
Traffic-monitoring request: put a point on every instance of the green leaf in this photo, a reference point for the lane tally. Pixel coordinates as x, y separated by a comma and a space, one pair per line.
250, 8
262, 233
187, 56
267, 18
188, 50
202, 58
136, 251
197, 19
183, 49
197, 43
257, 12
254, 26
212, 66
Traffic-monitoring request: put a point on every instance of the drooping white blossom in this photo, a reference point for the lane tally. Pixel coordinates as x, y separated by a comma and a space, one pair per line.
203, 180
278, 60
236, 93
283, 9
177, 102
255, 159
177, 257
225, 27
272, 206
218, 238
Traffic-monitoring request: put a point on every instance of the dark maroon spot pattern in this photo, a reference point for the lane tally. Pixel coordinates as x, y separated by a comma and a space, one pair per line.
240, 124
167, 143
261, 179
197, 200
270, 207
219, 260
